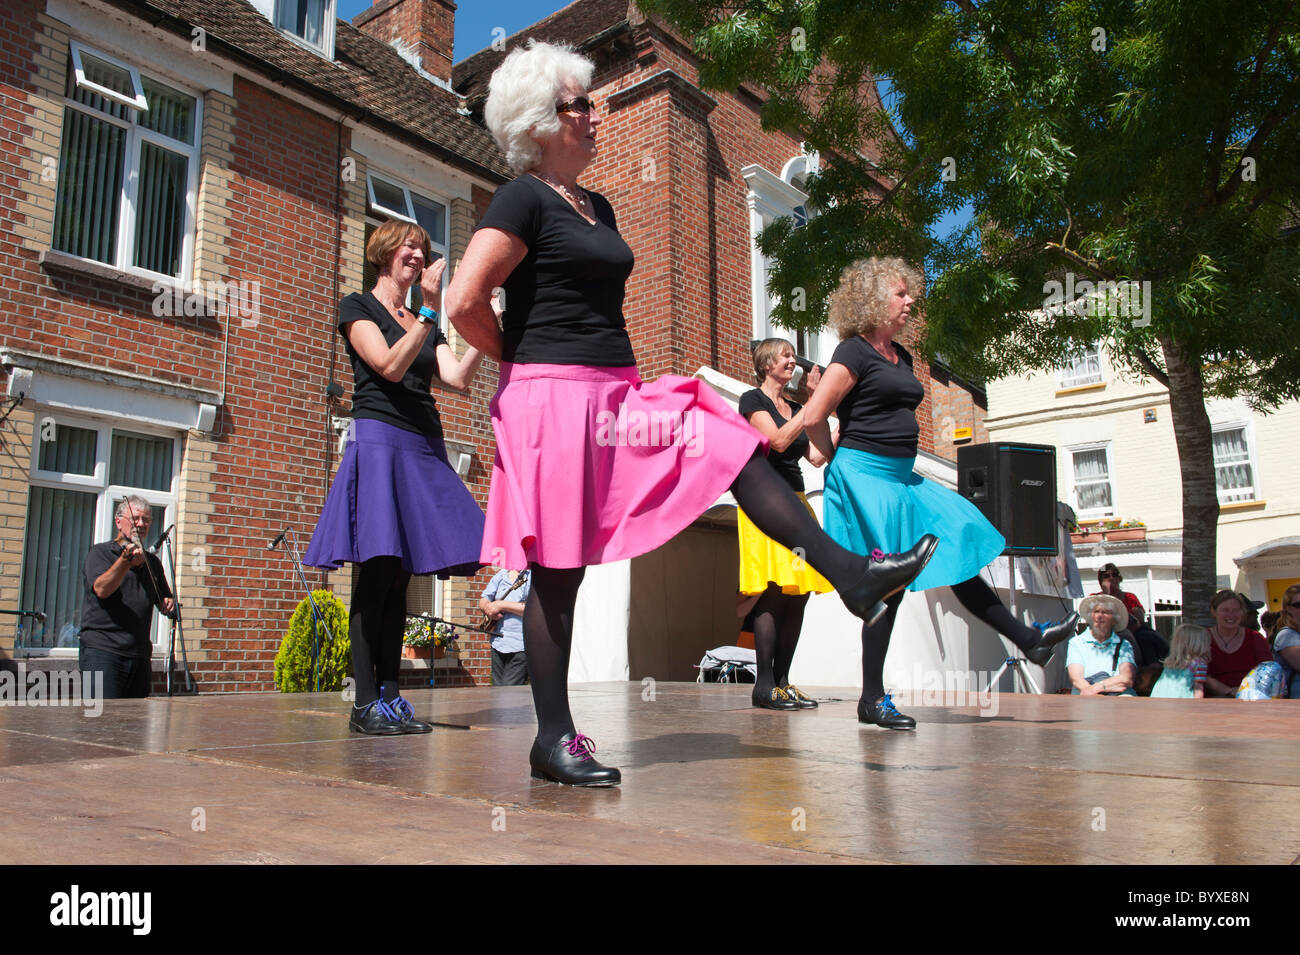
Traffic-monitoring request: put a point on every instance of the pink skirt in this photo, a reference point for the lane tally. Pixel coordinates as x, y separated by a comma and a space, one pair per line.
594, 466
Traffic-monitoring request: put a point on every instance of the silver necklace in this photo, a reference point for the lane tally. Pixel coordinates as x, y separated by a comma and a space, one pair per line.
579, 201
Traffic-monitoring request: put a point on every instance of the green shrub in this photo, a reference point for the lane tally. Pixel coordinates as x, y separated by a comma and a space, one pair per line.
293, 672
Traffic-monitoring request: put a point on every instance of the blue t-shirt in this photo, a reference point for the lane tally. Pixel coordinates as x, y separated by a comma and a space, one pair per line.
1286, 637
508, 632
1097, 657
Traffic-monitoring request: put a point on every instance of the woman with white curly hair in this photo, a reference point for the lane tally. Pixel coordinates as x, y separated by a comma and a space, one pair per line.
873, 498
592, 464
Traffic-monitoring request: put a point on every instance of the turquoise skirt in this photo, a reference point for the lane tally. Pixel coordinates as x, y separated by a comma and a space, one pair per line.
874, 502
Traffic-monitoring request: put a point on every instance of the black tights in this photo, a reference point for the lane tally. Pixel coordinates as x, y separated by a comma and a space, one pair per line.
975, 595
548, 614
375, 627
778, 619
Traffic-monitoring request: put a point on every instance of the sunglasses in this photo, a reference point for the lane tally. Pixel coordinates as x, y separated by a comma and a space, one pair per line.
579, 104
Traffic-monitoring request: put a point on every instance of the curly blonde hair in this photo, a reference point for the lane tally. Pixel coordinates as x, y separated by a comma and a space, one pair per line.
858, 304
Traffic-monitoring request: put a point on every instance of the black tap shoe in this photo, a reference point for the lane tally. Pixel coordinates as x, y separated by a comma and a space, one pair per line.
569, 761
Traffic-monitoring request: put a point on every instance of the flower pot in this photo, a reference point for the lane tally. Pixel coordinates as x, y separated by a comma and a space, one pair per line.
439, 652
1086, 537
416, 653
1127, 534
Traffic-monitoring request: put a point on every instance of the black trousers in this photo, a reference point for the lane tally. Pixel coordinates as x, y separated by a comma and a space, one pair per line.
509, 669
123, 676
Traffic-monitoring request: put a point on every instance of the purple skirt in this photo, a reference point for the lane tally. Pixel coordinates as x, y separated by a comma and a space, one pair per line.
395, 495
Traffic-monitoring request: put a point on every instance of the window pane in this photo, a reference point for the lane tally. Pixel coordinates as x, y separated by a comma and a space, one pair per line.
71, 451
389, 196
141, 460
1090, 465
105, 74
160, 209
60, 529
170, 111
93, 100
1093, 496
306, 18
90, 187
432, 216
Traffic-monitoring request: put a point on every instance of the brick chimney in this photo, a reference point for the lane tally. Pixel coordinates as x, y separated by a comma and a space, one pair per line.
420, 30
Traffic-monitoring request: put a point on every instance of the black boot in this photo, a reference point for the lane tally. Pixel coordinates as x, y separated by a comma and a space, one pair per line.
883, 713
569, 761
1042, 651
886, 575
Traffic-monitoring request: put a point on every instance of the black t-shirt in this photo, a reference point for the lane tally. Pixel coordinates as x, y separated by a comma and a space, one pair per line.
564, 301
120, 622
407, 403
879, 412
786, 463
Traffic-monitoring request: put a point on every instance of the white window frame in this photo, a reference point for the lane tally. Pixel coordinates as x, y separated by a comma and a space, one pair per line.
79, 70
1095, 513
1247, 428
104, 528
135, 136
769, 198
408, 215
326, 45
1067, 376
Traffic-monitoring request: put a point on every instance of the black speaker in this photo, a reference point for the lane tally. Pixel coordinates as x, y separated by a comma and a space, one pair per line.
1014, 486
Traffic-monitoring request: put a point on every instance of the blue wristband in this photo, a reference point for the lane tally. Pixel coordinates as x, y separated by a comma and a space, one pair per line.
427, 312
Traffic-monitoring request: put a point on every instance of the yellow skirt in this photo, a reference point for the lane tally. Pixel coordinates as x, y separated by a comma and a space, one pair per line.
764, 561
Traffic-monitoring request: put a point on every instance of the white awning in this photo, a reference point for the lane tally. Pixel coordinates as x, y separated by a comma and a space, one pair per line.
1279, 545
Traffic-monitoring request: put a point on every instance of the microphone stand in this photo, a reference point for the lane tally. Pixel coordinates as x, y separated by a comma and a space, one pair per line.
178, 628
317, 618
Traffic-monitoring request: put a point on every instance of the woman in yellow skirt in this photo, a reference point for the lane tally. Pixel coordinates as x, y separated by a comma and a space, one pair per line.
782, 579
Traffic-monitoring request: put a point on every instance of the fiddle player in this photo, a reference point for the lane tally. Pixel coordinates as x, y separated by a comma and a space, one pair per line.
123, 585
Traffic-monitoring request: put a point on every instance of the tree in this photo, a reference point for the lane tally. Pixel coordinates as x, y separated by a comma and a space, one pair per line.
1150, 141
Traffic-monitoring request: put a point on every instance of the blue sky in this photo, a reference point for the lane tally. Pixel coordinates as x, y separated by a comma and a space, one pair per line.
476, 19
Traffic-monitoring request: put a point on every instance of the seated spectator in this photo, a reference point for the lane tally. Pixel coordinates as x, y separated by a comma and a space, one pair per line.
1099, 662
1185, 666
1286, 641
1109, 579
1269, 626
1148, 646
1234, 650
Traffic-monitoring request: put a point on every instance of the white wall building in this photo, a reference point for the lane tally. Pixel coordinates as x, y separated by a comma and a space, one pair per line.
1116, 459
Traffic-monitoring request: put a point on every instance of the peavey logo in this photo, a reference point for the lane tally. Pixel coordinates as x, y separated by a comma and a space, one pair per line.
1028, 483
102, 908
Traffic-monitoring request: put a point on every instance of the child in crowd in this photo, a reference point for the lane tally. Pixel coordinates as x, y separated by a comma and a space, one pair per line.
1184, 673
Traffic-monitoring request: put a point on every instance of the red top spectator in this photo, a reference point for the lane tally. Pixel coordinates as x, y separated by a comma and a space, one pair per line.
1234, 650
1109, 578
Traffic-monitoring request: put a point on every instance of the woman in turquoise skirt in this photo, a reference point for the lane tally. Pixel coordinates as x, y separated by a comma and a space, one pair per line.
874, 501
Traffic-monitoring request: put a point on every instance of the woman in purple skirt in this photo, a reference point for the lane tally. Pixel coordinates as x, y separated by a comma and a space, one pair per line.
396, 507
592, 464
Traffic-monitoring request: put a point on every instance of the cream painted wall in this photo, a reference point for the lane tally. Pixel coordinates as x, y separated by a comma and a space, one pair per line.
1143, 456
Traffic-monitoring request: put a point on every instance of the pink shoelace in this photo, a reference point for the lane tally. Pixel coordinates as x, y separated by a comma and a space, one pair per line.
580, 747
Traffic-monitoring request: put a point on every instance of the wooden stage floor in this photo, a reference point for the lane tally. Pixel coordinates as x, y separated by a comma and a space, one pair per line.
268, 778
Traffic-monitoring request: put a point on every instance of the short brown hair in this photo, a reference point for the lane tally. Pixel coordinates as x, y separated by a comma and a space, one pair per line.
766, 354
858, 303
389, 237
1223, 596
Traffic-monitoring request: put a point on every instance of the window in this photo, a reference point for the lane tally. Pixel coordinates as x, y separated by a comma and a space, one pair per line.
127, 168
81, 470
1082, 367
311, 21
771, 198
1091, 473
389, 199
1234, 471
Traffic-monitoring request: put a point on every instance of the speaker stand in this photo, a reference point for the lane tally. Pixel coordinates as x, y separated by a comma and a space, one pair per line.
1014, 663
